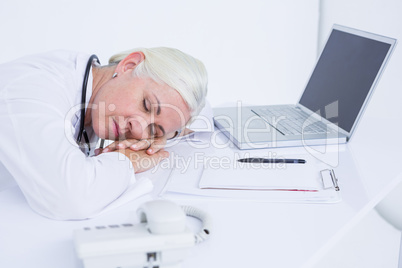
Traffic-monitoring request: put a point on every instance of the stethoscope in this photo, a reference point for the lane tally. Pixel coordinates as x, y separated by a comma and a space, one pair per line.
82, 131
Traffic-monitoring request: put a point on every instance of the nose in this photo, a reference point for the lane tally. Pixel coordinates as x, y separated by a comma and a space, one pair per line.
138, 127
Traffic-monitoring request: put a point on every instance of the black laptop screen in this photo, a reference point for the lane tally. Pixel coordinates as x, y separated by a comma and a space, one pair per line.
343, 77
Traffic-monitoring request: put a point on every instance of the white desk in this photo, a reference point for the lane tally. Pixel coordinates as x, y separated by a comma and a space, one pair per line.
245, 234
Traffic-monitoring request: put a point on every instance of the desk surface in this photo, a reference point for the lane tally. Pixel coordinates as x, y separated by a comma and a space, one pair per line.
245, 234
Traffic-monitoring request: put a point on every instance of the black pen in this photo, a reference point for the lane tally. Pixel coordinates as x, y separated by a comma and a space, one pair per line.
272, 160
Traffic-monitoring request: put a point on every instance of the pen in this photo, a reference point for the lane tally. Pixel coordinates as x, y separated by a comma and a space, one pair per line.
334, 179
272, 160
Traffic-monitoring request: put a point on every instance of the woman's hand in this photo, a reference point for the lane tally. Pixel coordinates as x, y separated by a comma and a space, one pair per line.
142, 161
151, 146
142, 155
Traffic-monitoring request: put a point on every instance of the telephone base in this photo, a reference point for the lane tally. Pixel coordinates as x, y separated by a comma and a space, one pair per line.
131, 246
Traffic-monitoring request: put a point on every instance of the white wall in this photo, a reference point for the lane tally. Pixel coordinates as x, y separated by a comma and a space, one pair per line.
371, 247
256, 51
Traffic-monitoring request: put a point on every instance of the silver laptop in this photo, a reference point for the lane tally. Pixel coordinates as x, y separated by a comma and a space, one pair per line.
329, 109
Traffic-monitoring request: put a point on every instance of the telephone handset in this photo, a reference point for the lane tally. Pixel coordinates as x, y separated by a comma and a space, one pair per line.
160, 240
162, 217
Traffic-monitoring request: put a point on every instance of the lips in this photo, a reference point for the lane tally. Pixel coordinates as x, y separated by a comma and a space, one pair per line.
116, 129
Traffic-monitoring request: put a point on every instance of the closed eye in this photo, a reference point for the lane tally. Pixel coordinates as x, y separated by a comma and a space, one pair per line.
144, 103
152, 130
156, 131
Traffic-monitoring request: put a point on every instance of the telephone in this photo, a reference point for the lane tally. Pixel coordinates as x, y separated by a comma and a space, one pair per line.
160, 240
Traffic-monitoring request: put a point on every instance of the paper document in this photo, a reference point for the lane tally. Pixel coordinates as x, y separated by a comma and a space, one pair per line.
198, 171
231, 174
184, 183
262, 177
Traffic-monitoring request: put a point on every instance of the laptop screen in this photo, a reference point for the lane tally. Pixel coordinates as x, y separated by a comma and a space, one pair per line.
343, 77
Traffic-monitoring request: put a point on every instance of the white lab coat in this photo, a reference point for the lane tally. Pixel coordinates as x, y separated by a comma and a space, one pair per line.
37, 140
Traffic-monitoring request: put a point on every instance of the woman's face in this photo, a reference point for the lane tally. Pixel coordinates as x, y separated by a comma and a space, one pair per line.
126, 107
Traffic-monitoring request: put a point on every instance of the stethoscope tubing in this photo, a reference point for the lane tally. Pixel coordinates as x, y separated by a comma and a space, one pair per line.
82, 131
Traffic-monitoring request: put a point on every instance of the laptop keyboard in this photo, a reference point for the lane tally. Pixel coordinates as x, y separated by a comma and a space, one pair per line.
291, 120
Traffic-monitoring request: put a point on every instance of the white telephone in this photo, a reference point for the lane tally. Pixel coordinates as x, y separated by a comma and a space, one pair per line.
160, 240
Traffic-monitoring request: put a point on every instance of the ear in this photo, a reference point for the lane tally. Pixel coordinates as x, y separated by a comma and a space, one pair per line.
130, 62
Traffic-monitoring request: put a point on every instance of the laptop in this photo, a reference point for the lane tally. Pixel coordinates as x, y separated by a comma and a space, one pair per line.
346, 73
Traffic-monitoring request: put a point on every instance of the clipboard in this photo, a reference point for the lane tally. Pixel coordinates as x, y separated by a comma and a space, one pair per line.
186, 182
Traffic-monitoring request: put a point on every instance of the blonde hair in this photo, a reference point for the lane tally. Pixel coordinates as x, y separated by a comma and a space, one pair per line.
178, 70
